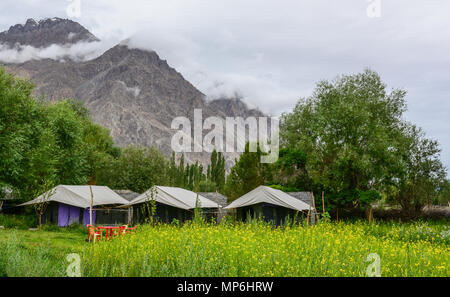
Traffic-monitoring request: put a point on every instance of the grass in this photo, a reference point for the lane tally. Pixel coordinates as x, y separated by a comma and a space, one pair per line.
334, 249
37, 253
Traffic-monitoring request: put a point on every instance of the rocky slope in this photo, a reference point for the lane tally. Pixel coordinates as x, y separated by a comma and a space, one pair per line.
45, 33
132, 92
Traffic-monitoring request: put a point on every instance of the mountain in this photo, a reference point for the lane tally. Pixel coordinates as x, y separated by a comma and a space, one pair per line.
45, 33
132, 92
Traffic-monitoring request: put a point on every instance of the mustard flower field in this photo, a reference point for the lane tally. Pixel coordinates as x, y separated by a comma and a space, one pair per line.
254, 249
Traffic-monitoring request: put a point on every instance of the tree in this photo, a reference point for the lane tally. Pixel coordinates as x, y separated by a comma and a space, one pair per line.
290, 170
348, 129
137, 169
216, 170
20, 129
46, 191
421, 172
247, 174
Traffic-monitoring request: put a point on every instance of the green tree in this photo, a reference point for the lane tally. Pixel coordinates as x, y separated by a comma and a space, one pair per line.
348, 129
137, 169
421, 172
247, 174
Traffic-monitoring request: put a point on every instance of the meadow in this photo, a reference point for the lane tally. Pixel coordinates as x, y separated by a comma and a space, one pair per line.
252, 249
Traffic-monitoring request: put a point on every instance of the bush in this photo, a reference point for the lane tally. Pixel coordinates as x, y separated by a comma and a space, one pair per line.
18, 221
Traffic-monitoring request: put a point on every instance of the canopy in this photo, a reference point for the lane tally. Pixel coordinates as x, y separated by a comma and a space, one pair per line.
263, 194
80, 196
176, 197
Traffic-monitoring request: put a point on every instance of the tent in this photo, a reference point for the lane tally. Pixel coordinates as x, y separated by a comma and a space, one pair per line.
221, 199
271, 204
171, 203
70, 204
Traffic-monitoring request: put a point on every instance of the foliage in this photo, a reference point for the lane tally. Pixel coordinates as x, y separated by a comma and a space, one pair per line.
18, 221
149, 208
247, 174
193, 176
421, 172
47, 192
44, 141
356, 142
137, 169
290, 170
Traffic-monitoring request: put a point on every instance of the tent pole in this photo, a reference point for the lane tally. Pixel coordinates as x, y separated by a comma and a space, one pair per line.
92, 203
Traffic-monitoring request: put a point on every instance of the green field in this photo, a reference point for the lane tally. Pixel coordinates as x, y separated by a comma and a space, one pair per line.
332, 249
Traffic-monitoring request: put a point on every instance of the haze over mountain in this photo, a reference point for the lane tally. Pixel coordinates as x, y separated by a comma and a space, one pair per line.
130, 91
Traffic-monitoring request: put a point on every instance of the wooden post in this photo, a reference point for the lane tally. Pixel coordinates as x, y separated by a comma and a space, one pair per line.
219, 214
307, 217
323, 202
314, 205
92, 204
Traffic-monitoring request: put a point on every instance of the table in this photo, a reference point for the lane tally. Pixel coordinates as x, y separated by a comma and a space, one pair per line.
109, 230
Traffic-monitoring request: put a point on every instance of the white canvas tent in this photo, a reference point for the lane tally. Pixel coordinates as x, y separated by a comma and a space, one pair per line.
263, 194
176, 197
80, 196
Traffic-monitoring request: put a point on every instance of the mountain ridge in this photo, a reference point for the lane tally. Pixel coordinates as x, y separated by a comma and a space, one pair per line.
130, 91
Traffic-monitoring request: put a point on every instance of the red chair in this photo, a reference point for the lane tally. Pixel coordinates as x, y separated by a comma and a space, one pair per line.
123, 229
131, 230
93, 234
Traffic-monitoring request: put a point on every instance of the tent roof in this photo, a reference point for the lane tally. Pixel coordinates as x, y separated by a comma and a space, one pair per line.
80, 196
221, 199
263, 194
127, 194
176, 197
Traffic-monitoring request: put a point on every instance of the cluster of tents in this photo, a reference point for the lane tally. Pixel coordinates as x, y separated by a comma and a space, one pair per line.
66, 205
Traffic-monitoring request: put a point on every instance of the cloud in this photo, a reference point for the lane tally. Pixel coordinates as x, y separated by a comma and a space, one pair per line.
81, 51
273, 52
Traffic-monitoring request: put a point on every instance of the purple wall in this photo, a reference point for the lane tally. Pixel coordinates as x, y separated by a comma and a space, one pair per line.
68, 215
86, 217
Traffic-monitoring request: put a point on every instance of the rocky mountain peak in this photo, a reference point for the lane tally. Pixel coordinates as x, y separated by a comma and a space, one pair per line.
132, 92
45, 33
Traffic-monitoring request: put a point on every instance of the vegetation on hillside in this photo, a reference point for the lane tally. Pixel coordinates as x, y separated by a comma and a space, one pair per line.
348, 139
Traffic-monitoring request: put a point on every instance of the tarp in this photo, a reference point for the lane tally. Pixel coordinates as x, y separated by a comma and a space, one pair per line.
68, 215
80, 196
263, 194
176, 197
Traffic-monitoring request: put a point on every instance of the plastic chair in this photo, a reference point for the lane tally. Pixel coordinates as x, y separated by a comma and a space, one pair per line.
131, 230
123, 229
93, 234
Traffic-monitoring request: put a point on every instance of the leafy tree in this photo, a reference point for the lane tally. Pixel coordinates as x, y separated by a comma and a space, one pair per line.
20, 128
137, 169
421, 171
290, 170
46, 191
348, 130
247, 174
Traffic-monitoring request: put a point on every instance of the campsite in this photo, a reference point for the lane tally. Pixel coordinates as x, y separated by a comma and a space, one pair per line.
224, 139
135, 212
259, 245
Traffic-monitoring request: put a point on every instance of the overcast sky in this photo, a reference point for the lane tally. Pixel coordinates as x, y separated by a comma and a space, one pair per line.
273, 52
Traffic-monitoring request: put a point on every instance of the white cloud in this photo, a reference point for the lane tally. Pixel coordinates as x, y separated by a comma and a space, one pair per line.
273, 52
81, 51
